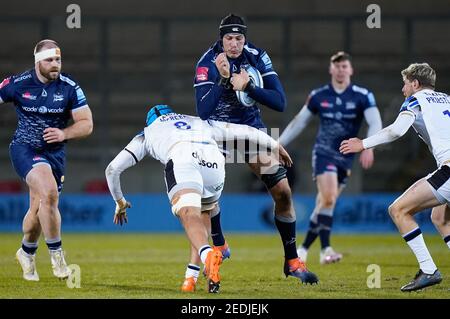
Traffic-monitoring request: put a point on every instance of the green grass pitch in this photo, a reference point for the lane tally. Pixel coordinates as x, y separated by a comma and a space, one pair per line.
120, 265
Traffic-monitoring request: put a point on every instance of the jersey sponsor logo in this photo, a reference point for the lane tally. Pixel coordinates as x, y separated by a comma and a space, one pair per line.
325, 104
204, 163
42, 109
5, 82
58, 97
202, 73
23, 77
28, 96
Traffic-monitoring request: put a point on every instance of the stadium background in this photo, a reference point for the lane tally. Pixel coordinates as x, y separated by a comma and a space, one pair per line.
130, 55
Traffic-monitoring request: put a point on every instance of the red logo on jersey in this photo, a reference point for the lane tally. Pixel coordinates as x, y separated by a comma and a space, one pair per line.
202, 73
326, 104
4, 83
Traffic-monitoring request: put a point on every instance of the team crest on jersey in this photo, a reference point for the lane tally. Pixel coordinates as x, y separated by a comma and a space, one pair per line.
350, 105
202, 73
28, 96
58, 97
4, 83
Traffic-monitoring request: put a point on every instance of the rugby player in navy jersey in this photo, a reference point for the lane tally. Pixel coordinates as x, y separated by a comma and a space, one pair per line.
45, 100
341, 106
225, 92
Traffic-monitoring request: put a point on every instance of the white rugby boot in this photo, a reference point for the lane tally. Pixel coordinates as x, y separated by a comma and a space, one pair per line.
28, 264
329, 256
59, 264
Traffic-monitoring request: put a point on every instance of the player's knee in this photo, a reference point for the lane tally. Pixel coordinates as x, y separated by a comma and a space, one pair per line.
396, 211
328, 200
437, 218
49, 197
281, 194
186, 204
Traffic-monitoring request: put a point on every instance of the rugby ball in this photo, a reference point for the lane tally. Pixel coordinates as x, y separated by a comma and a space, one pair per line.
256, 78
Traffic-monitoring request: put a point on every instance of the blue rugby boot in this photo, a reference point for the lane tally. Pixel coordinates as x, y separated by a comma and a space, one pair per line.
422, 280
297, 268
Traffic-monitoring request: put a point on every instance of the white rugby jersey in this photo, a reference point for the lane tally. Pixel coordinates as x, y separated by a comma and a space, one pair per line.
432, 121
170, 129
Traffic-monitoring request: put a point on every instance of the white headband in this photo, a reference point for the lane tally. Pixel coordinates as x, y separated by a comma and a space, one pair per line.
45, 54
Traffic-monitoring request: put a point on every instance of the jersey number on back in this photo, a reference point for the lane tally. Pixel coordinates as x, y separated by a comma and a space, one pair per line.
182, 125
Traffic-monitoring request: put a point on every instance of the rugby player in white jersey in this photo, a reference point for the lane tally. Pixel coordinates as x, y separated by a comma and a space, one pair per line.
194, 172
428, 112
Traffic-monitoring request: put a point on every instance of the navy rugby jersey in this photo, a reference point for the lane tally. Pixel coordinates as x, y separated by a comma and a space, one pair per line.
39, 105
217, 103
341, 117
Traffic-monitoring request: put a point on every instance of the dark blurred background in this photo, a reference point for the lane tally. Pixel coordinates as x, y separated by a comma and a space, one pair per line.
129, 55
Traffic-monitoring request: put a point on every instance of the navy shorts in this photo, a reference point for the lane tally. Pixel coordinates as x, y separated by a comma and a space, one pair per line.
322, 164
25, 157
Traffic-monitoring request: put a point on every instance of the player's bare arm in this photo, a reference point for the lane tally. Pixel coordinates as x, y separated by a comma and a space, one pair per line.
82, 127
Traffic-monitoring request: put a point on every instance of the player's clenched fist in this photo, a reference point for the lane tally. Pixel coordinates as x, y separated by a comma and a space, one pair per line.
223, 65
240, 80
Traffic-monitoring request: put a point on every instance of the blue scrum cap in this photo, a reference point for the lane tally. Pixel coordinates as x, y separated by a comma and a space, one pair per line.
156, 112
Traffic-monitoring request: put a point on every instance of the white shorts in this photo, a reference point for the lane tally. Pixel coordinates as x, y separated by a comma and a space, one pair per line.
440, 182
196, 166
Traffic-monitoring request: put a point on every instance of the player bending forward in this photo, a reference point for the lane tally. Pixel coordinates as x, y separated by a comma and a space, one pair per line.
429, 113
194, 172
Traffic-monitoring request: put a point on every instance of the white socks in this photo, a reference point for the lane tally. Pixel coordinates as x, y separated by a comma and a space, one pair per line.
415, 241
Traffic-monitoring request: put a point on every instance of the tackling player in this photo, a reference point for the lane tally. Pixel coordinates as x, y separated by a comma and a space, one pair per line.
428, 112
194, 172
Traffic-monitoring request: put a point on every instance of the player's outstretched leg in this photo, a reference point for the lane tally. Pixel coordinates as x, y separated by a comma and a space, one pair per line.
417, 198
